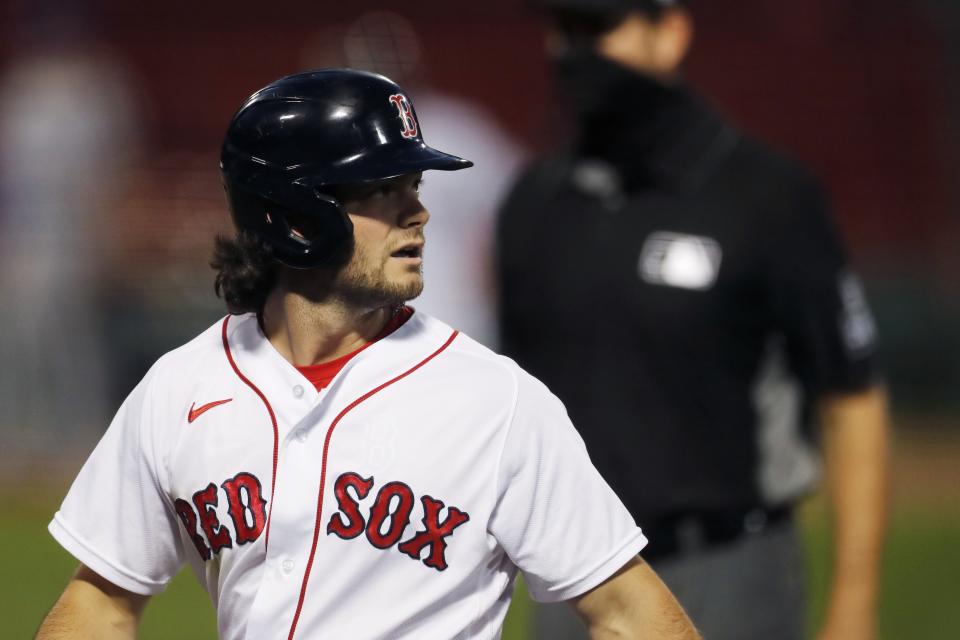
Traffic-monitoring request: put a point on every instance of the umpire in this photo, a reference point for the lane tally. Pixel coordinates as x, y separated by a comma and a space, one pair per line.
683, 290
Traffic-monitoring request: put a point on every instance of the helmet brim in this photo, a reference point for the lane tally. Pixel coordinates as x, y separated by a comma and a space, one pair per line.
382, 164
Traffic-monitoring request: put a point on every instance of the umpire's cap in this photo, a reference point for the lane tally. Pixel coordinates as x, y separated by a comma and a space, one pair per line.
293, 140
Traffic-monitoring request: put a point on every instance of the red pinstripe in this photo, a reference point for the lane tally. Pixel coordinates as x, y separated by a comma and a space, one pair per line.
323, 470
273, 419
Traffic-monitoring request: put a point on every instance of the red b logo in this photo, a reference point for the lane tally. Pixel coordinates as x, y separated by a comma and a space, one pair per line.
406, 115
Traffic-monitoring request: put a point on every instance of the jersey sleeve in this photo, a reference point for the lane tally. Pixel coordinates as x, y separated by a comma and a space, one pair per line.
818, 301
556, 517
116, 519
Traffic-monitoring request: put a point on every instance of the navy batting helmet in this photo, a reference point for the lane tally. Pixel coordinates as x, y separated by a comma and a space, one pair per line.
298, 137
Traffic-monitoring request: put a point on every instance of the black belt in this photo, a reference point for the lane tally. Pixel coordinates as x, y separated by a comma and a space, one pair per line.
693, 531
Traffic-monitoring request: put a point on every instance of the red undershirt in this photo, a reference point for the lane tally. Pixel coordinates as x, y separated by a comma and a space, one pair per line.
321, 374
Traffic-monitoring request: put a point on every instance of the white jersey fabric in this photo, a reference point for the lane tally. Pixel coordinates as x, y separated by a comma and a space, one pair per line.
397, 503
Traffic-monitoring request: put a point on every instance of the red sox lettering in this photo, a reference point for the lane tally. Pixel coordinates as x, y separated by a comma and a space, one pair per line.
348, 522
246, 506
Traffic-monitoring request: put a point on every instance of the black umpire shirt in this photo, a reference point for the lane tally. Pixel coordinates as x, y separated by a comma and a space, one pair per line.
683, 291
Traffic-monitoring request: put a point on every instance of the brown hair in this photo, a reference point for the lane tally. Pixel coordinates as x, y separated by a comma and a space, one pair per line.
246, 272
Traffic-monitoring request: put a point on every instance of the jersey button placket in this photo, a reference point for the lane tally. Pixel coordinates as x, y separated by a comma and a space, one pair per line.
300, 434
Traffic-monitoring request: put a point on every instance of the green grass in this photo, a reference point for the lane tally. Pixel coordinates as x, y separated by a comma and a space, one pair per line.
920, 592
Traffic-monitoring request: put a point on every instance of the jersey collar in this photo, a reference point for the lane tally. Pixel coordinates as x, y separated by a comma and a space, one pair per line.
293, 397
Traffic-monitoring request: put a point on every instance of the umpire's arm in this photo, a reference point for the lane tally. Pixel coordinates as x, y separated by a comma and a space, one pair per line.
856, 449
821, 308
92, 607
634, 603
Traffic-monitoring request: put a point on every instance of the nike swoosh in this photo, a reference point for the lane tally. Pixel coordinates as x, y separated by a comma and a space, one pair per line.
196, 413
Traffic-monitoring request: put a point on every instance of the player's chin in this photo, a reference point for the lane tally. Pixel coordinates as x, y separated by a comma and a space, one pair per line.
407, 285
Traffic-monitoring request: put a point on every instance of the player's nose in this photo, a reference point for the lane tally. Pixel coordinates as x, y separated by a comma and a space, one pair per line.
414, 214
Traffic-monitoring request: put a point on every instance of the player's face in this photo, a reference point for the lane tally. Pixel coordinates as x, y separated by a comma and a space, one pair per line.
387, 262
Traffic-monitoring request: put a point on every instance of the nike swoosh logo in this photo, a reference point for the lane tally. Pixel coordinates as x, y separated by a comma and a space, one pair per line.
196, 413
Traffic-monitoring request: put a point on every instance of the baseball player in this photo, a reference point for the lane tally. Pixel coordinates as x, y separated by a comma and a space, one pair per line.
330, 462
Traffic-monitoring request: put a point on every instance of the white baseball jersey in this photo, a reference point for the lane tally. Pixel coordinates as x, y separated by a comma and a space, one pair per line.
399, 502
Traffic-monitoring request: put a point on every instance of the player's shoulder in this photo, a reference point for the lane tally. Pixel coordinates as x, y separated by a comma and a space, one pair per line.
477, 367
206, 344
198, 359
472, 358
165, 387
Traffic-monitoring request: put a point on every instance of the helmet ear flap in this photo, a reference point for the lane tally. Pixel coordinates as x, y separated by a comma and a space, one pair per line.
306, 229
288, 224
314, 232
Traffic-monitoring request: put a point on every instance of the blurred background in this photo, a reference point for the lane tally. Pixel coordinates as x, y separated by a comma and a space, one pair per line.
111, 117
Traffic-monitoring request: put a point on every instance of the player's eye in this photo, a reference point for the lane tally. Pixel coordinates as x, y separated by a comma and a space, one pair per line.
377, 191
390, 188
